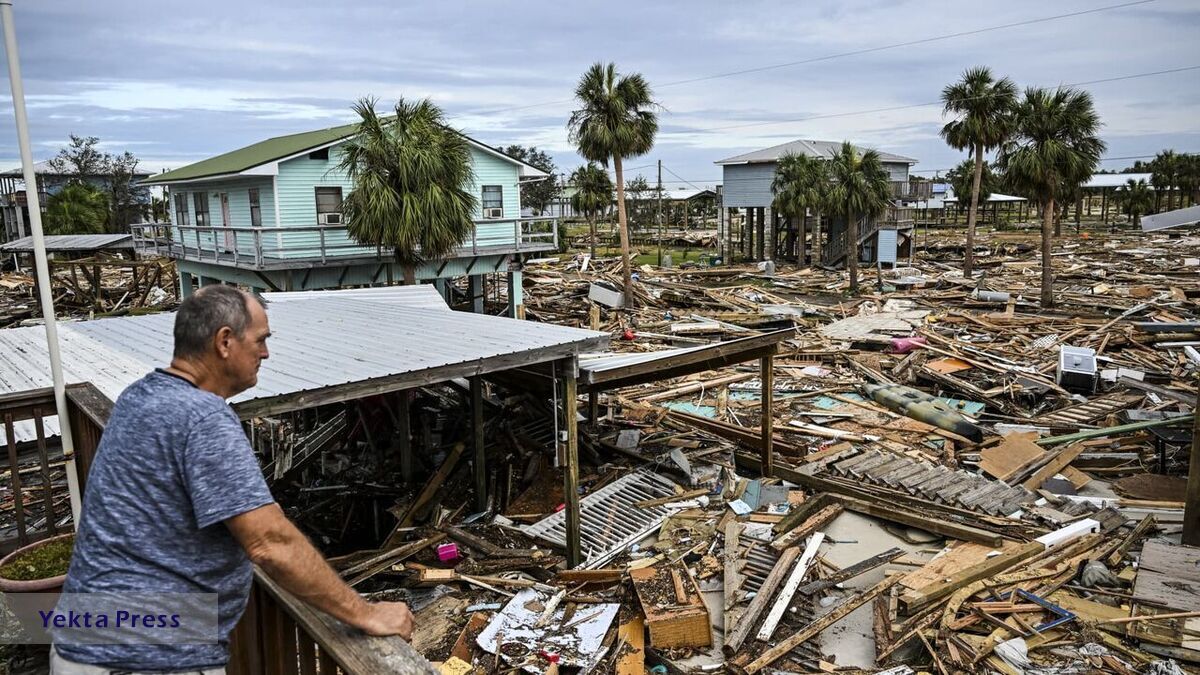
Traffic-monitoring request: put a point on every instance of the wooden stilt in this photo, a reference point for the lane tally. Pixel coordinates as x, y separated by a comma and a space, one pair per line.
1191, 511
571, 467
404, 436
767, 364
481, 497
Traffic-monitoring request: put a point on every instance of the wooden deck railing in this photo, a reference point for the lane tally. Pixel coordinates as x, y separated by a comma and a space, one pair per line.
261, 248
36, 502
277, 634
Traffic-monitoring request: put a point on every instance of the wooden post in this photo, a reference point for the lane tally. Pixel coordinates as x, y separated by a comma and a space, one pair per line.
593, 408
571, 466
1191, 511
481, 497
404, 434
767, 364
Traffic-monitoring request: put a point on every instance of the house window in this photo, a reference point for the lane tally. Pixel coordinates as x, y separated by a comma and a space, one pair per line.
200, 199
493, 201
181, 211
329, 205
255, 208
322, 154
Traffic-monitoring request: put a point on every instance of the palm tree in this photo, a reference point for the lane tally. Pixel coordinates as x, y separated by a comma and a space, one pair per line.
1163, 170
860, 189
593, 194
982, 108
801, 184
78, 208
1188, 178
1135, 198
408, 172
1053, 150
615, 120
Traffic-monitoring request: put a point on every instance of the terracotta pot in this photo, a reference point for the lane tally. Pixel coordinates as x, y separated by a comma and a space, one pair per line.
48, 585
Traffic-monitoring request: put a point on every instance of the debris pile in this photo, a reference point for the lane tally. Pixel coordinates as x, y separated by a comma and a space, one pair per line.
102, 285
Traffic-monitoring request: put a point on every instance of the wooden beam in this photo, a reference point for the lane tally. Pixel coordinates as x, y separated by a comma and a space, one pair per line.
914, 600
571, 466
767, 426
1056, 464
404, 435
851, 571
784, 598
811, 630
427, 493
477, 444
766, 593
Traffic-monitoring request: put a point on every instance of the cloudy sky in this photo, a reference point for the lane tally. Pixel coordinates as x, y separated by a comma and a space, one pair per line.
175, 81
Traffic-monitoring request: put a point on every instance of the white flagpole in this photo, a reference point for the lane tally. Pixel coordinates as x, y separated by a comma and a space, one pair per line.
39, 254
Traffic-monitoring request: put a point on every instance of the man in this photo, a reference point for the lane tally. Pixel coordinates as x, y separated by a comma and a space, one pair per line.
176, 501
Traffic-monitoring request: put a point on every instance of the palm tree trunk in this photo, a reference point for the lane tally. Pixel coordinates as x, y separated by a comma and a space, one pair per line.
592, 234
969, 254
1047, 269
623, 226
410, 275
852, 250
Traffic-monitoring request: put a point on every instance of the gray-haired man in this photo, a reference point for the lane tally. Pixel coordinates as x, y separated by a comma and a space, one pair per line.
176, 502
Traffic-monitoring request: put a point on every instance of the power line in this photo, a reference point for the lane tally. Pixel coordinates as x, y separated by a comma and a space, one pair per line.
681, 178
929, 103
856, 52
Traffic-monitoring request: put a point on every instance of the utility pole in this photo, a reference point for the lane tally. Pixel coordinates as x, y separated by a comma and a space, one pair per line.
660, 218
39, 256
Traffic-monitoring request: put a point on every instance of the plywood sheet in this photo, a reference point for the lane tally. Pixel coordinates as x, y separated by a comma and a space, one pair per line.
960, 556
1169, 576
1014, 453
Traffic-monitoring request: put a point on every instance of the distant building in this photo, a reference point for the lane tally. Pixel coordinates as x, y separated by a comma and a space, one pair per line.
14, 205
269, 216
750, 228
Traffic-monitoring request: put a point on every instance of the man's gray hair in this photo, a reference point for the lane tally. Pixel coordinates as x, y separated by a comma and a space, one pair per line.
205, 312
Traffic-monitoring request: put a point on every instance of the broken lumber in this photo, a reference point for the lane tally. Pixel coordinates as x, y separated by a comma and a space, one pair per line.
850, 572
785, 596
808, 632
735, 638
914, 600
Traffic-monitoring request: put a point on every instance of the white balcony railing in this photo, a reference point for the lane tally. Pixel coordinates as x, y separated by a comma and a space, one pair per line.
282, 247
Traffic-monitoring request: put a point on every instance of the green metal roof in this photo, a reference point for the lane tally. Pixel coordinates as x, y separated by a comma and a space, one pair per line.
254, 155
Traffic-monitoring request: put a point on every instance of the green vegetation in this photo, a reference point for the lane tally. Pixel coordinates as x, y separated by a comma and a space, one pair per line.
44, 562
1135, 199
1053, 151
801, 184
409, 173
616, 119
78, 208
536, 194
983, 119
593, 194
860, 188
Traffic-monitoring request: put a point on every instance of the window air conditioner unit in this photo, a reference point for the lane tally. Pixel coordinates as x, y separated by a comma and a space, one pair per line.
493, 213
329, 218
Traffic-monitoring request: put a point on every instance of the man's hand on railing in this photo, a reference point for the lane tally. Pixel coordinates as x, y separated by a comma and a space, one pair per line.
388, 618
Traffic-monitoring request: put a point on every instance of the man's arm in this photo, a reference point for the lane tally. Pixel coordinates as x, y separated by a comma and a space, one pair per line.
276, 545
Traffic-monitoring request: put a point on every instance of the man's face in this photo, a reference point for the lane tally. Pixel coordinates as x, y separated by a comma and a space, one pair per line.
245, 354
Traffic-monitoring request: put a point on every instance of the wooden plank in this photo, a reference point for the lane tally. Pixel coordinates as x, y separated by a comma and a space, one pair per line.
930, 524
915, 600
817, 520
1011, 455
1055, 465
44, 464
852, 571
811, 630
784, 598
735, 638
14, 473
631, 656
683, 623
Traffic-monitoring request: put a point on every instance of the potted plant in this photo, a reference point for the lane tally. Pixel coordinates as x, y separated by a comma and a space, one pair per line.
40, 567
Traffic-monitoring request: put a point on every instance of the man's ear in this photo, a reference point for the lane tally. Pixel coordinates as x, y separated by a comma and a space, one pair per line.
222, 341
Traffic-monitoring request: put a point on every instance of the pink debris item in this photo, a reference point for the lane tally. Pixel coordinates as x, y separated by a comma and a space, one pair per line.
907, 344
447, 552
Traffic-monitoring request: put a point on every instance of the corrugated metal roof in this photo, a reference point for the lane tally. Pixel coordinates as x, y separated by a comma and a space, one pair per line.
819, 149
72, 242
424, 296
1114, 180
325, 341
1176, 218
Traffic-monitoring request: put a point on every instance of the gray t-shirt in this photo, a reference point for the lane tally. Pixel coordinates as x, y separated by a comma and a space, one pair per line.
173, 464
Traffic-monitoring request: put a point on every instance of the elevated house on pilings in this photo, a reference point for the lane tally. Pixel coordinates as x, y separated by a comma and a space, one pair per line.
752, 230
269, 217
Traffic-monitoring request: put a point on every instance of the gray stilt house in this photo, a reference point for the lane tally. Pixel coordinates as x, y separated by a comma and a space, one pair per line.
752, 230
269, 217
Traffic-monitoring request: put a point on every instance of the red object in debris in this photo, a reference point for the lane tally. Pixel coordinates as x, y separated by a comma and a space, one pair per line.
628, 335
560, 507
447, 552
